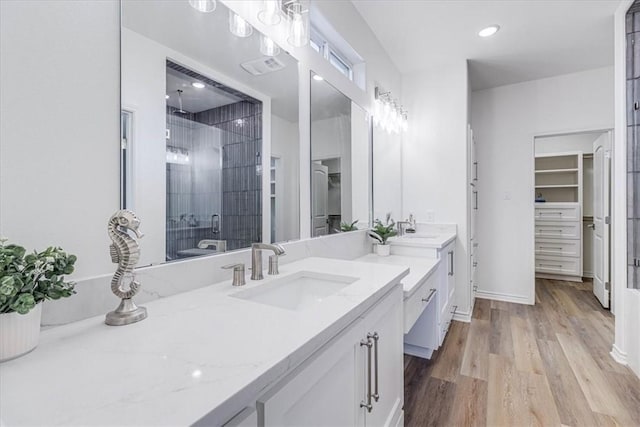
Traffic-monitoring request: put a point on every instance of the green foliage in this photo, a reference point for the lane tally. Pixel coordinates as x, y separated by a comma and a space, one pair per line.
27, 279
381, 232
344, 226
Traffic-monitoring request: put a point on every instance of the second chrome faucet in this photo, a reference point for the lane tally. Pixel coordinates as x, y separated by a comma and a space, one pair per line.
256, 259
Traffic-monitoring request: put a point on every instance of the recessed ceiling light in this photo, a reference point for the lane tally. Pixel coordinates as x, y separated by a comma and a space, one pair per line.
198, 85
166, 97
317, 77
489, 31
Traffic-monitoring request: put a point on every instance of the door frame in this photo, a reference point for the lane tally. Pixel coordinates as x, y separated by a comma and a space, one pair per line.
532, 192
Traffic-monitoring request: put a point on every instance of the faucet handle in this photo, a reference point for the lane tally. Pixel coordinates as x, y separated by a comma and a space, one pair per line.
238, 273
273, 264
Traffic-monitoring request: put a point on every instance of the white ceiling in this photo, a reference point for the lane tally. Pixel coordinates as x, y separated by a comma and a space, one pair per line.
195, 100
538, 38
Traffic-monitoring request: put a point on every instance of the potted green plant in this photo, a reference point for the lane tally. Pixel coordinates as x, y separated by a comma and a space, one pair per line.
25, 281
345, 226
381, 233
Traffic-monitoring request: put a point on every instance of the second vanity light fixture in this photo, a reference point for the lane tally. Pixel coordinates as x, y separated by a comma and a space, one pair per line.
270, 13
389, 114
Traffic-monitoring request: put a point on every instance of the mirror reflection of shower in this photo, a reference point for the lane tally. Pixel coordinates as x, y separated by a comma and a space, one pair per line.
213, 179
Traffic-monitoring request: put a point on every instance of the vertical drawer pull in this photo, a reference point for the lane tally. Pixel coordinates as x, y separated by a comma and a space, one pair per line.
375, 337
367, 402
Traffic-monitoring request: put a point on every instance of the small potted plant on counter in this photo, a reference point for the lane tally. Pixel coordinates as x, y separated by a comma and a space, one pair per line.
25, 281
381, 233
345, 226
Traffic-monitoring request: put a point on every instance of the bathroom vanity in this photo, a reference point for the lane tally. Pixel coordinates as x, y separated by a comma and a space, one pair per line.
427, 322
256, 355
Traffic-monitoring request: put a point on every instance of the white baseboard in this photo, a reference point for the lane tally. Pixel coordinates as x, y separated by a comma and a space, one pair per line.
498, 296
462, 317
618, 355
414, 350
577, 279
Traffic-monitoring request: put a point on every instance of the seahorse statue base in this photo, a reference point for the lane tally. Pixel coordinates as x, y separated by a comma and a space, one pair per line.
126, 313
125, 252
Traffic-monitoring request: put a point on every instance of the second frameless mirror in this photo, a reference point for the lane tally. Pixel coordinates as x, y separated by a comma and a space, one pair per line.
340, 161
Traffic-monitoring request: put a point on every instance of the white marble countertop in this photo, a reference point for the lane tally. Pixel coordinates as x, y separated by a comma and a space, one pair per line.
436, 239
199, 353
420, 268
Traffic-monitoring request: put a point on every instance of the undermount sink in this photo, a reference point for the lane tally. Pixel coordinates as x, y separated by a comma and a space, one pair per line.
298, 291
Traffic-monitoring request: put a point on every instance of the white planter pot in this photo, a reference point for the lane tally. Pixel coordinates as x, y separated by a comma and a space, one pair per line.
19, 333
383, 250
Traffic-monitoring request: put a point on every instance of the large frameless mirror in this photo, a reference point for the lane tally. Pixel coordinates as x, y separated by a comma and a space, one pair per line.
340, 161
210, 139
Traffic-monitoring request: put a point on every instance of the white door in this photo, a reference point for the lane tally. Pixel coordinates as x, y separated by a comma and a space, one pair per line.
319, 199
601, 182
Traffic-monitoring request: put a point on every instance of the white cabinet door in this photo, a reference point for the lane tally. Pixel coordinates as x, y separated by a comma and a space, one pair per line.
326, 392
387, 372
331, 387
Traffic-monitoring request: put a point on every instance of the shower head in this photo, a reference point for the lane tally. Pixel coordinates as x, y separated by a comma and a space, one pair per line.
179, 110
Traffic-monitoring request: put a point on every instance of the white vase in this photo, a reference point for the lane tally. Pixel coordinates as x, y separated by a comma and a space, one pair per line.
383, 250
19, 333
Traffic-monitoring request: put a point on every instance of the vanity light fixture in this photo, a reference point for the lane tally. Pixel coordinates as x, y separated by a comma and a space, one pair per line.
318, 77
203, 5
238, 26
489, 31
198, 85
268, 47
298, 23
388, 114
270, 12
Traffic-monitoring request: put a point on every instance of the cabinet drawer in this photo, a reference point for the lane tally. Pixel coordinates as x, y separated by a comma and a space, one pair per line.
558, 265
557, 213
558, 230
563, 248
421, 298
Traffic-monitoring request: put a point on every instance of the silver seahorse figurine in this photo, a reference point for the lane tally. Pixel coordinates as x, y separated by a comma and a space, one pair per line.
125, 252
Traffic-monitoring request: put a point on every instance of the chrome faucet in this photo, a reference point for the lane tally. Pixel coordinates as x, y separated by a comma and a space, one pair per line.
401, 227
256, 258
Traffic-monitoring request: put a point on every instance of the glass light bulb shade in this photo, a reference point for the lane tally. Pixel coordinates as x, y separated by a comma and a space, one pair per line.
205, 6
238, 26
270, 13
268, 47
298, 30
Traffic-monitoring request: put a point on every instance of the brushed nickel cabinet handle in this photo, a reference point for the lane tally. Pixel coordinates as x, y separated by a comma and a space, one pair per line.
451, 264
375, 338
367, 402
428, 298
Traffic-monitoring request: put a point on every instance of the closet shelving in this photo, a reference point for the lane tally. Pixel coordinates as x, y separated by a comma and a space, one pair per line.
558, 220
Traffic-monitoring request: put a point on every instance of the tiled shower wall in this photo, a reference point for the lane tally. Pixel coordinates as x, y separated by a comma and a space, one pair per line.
633, 145
241, 126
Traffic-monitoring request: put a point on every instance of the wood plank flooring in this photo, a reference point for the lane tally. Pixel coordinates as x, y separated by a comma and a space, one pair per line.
519, 365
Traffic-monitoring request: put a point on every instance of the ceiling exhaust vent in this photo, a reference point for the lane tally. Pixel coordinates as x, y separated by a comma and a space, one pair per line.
261, 66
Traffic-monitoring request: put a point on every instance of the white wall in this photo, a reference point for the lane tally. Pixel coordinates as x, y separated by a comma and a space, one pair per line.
387, 173
144, 60
284, 144
59, 120
505, 121
434, 158
564, 143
